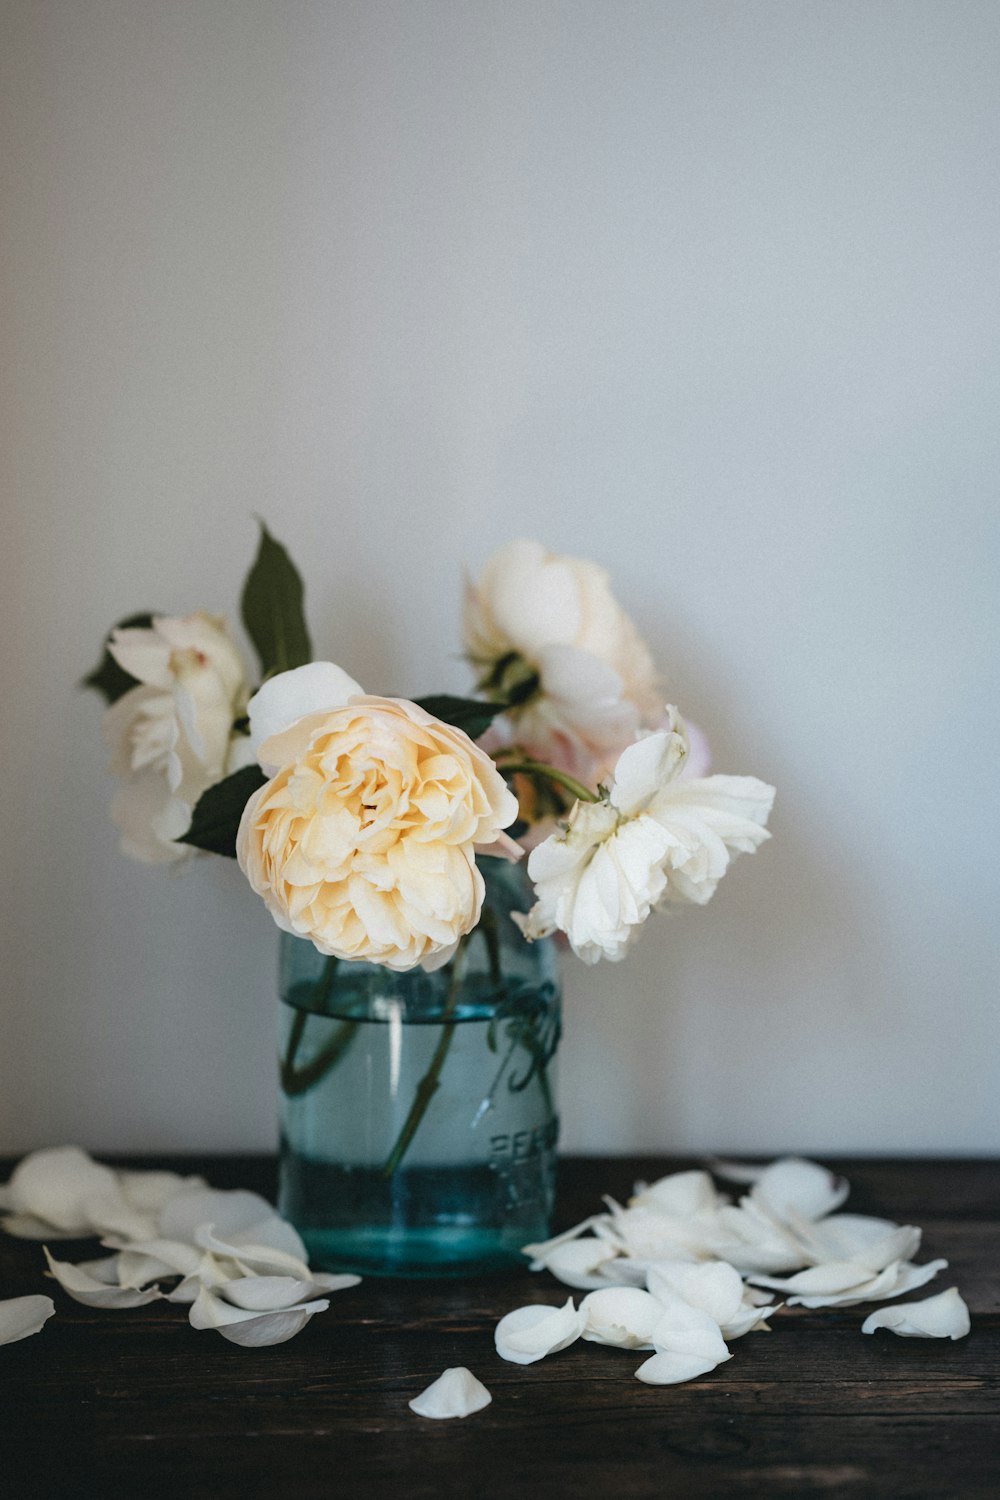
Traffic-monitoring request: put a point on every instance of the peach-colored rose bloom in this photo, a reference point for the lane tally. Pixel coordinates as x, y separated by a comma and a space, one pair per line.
364, 840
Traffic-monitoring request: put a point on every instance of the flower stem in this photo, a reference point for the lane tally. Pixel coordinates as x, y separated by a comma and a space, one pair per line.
428, 1085
561, 778
295, 1081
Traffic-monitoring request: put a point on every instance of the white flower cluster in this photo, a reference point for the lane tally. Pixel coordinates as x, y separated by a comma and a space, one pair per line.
238, 1266
679, 1271
654, 837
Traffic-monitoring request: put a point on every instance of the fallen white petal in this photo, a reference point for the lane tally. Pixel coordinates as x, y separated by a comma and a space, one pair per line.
266, 1293
623, 1317
751, 1317
142, 1261
105, 1269
683, 1329
585, 1264
867, 1241
894, 1281
55, 1186
251, 1329
682, 1193
262, 1259
150, 1192
669, 1368
20, 1317
795, 1186
30, 1227
83, 1287
714, 1286
942, 1317
540, 1251
530, 1333
235, 1215
456, 1393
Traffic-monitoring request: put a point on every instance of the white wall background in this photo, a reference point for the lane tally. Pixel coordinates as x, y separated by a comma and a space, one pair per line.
707, 291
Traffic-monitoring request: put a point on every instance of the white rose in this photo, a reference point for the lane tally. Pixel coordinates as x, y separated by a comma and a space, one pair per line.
365, 838
655, 837
171, 737
533, 614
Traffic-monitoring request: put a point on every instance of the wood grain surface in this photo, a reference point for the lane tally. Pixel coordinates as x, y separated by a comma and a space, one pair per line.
136, 1403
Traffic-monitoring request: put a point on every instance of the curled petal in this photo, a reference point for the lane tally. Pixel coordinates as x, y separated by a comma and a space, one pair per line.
623, 1317
586, 1264
85, 1288
713, 1286
530, 1333
456, 1393
793, 1187
20, 1317
668, 1367
252, 1329
942, 1317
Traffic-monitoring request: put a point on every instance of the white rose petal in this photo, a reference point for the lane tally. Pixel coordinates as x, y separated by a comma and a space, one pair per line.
85, 1288
586, 1264
866, 1241
289, 696
456, 1393
942, 1317
530, 1333
842, 1284
715, 1287
670, 1367
20, 1317
271, 1293
681, 1193
236, 1215
251, 1329
794, 1187
57, 1185
623, 1317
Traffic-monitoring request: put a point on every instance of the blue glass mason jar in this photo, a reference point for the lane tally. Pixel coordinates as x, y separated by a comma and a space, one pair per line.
418, 1118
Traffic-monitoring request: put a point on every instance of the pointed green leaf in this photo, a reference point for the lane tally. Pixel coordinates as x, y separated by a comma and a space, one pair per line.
470, 714
108, 678
272, 609
217, 814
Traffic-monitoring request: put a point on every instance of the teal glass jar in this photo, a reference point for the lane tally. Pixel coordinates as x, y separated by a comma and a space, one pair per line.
418, 1118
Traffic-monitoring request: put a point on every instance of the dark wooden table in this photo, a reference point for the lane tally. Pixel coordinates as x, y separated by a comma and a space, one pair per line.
135, 1404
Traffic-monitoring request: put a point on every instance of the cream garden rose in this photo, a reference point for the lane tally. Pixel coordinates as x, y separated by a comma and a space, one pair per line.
535, 615
171, 736
364, 840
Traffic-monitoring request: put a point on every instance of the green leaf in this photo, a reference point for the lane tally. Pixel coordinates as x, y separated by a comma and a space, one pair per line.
272, 608
217, 814
470, 714
108, 678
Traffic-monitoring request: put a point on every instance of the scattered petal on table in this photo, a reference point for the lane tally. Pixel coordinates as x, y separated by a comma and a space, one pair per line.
266, 1293
263, 1259
623, 1317
456, 1393
714, 1286
681, 1193
83, 1287
539, 1252
867, 1241
56, 1186
792, 1186
530, 1333
586, 1263
669, 1368
251, 1329
942, 1317
20, 1317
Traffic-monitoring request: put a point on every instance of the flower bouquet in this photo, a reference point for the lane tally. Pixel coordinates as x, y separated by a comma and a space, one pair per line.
419, 856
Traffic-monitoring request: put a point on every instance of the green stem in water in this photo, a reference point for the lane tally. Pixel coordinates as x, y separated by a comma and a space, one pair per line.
561, 778
428, 1085
295, 1081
